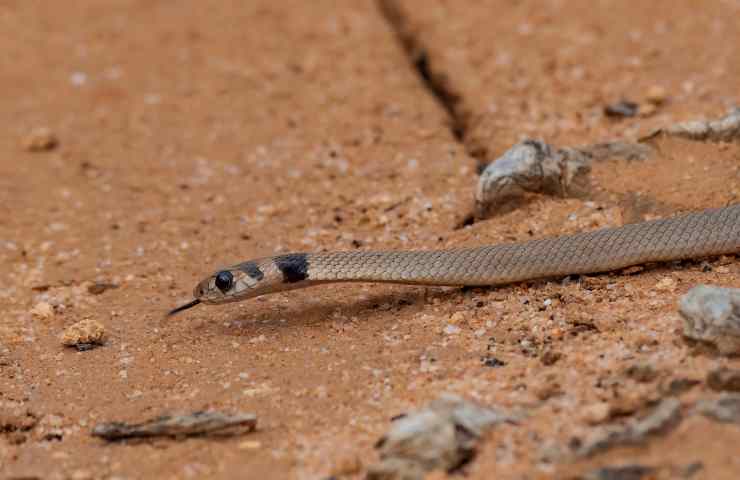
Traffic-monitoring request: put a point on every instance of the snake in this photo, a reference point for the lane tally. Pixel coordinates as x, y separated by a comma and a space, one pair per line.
692, 235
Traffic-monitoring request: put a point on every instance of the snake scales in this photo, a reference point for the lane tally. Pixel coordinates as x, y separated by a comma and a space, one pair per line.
693, 235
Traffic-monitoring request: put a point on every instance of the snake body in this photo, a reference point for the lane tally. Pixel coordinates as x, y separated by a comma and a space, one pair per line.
693, 235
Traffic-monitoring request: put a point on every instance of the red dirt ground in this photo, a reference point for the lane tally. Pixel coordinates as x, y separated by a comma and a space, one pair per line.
194, 135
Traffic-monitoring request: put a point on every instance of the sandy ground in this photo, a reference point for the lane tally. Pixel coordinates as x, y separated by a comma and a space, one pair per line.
193, 135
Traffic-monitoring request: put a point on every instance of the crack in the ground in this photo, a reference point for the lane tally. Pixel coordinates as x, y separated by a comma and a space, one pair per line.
438, 84
435, 82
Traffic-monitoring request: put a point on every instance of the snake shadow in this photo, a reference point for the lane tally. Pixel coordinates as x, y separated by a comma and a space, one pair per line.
299, 314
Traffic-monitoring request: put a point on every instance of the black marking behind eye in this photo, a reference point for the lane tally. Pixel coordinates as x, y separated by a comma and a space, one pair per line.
251, 269
224, 280
294, 267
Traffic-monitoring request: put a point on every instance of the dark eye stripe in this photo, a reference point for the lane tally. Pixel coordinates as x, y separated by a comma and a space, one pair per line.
251, 269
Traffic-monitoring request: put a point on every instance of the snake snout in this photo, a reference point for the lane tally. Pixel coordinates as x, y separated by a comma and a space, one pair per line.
201, 290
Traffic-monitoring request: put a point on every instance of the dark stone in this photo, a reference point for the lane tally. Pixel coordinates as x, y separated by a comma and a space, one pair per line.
626, 472
724, 378
641, 372
99, 287
621, 109
550, 357
493, 362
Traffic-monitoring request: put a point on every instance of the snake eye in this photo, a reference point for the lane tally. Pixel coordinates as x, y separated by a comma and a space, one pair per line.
224, 281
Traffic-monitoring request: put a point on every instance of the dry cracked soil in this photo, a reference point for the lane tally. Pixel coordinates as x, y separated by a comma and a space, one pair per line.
148, 143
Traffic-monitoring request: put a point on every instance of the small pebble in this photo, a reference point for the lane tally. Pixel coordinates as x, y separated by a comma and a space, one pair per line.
680, 385
621, 472
648, 109
621, 109
40, 140
53, 421
656, 95
547, 389
666, 284
440, 436
596, 413
452, 330
725, 408
84, 333
78, 79
99, 287
724, 379
666, 415
42, 310
493, 362
457, 318
641, 372
550, 357
250, 445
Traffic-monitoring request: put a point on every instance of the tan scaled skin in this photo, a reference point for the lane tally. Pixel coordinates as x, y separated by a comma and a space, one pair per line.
693, 235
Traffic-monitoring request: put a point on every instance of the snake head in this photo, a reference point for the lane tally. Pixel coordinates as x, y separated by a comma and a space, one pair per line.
251, 279
232, 284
